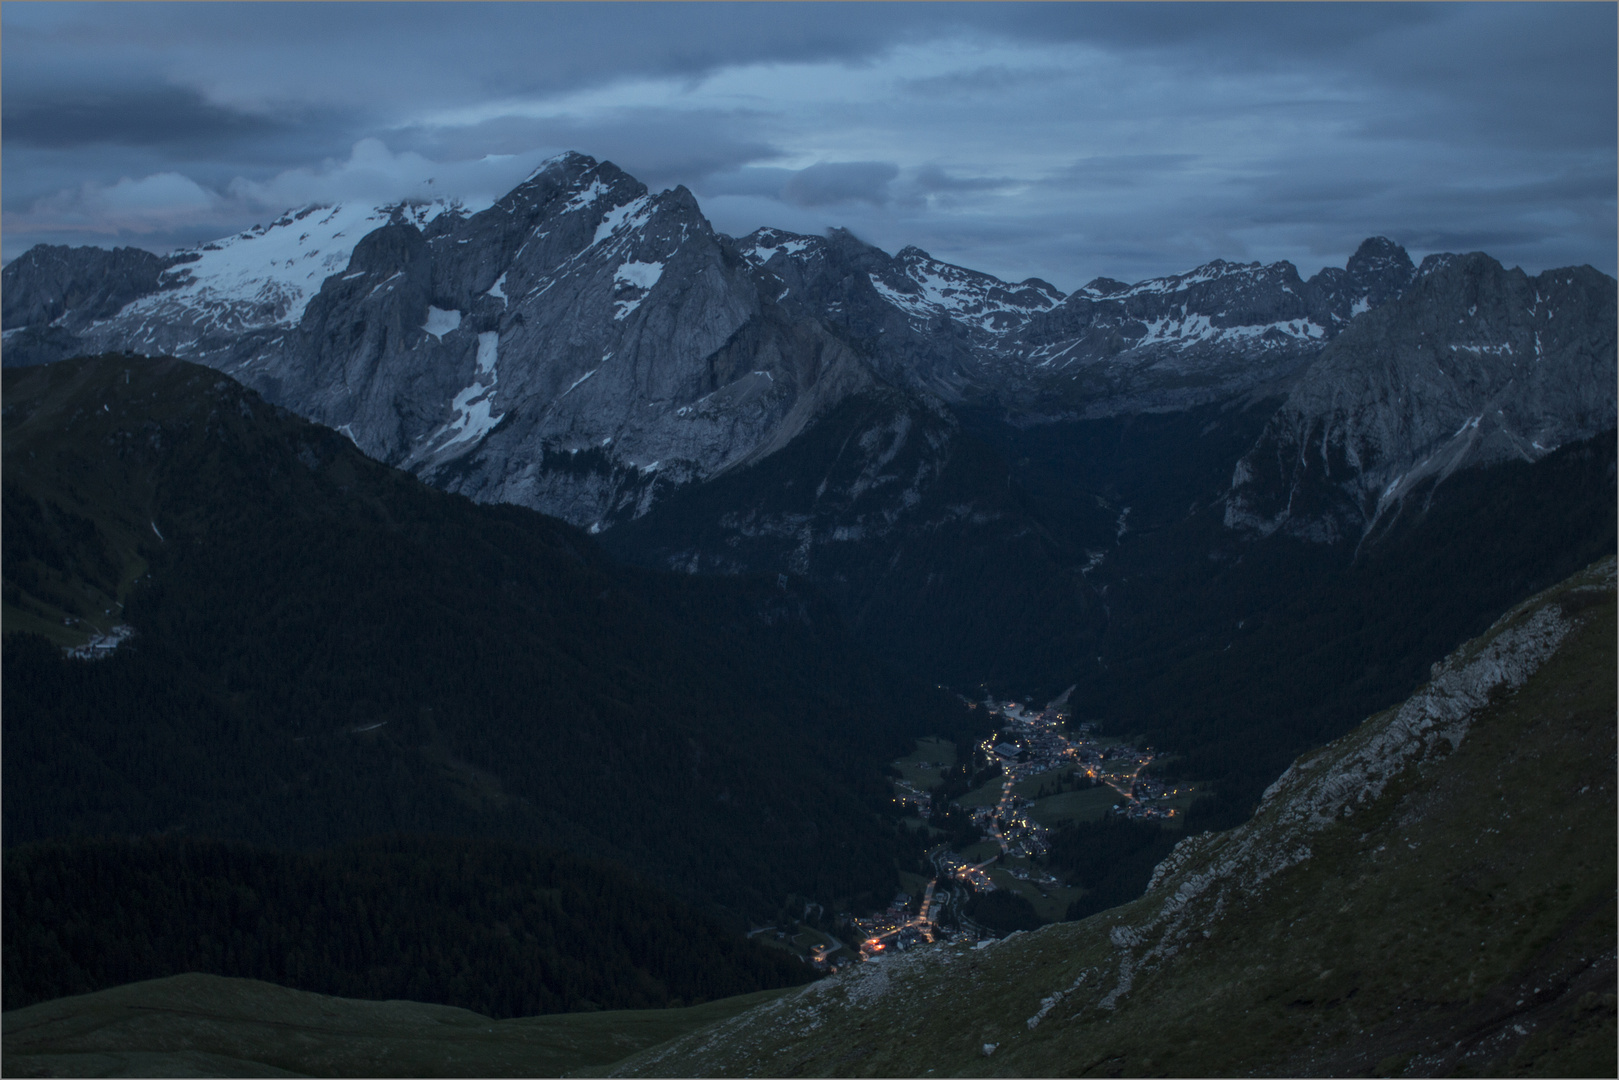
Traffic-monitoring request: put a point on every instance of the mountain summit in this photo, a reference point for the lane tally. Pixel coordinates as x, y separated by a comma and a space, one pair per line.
584, 346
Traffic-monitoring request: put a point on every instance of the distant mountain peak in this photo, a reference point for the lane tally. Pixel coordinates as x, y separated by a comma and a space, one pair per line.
583, 312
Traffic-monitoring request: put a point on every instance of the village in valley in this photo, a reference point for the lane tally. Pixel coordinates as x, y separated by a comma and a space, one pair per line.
993, 816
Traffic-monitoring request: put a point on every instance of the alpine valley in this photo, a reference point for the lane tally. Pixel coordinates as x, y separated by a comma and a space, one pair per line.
576, 549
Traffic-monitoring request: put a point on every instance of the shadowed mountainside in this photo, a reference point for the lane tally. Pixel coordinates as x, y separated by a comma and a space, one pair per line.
1432, 894
327, 649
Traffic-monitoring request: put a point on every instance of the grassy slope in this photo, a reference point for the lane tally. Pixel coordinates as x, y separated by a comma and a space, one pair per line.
1461, 924
204, 1025
926, 765
1087, 805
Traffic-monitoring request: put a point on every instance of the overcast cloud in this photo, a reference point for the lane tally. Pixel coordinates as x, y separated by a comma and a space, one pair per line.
1049, 140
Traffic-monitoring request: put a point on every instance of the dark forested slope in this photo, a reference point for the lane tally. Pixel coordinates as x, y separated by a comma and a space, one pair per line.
1237, 653
502, 929
326, 649
1430, 895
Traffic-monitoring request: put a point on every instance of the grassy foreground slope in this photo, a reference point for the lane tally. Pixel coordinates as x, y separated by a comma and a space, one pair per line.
205, 1025
1433, 894
504, 930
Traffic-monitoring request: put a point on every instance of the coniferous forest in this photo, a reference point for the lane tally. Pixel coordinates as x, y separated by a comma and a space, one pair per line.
326, 650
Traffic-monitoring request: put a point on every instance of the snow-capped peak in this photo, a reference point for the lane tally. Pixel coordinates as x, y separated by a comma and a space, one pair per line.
268, 274
967, 296
761, 246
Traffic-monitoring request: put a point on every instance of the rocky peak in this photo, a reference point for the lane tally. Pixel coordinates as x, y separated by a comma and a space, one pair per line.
1102, 286
1380, 267
763, 246
395, 248
46, 283
1437, 261
1376, 273
1472, 364
976, 299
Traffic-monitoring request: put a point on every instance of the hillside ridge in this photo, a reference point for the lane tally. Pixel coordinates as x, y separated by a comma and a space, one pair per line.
1370, 918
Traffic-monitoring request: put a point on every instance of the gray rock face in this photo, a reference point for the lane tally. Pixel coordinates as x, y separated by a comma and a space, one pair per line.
621, 347
50, 292
1174, 342
923, 323
577, 347
1109, 348
82, 284
1473, 364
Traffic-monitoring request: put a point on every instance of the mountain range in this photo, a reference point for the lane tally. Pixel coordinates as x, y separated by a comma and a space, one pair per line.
1131, 489
582, 314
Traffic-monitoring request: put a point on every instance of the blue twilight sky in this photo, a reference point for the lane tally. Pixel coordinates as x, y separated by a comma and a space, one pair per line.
1062, 141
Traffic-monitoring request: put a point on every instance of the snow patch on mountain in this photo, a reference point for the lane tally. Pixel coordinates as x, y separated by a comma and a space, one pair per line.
473, 406
1177, 282
266, 276
965, 296
759, 254
588, 196
440, 322
635, 275
574, 385
631, 213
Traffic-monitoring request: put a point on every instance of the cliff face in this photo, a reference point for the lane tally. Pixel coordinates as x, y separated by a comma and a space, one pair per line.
47, 283
1474, 364
576, 348
1431, 893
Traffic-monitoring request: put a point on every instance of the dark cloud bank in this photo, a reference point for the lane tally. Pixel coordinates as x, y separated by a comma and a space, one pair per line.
1052, 140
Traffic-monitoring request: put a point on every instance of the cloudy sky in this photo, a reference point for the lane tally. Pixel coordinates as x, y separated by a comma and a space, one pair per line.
1062, 141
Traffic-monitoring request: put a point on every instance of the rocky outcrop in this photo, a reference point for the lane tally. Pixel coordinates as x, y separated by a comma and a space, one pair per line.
52, 293
1205, 874
1473, 364
78, 285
